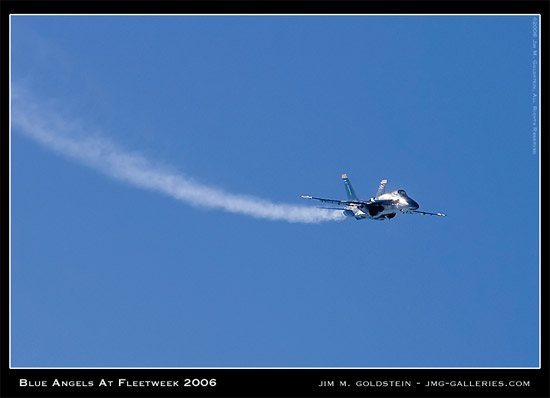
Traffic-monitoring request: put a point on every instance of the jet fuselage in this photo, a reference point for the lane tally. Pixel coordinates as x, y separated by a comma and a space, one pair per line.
383, 207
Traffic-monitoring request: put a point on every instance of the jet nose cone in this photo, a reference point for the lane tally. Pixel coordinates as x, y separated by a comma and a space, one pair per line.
413, 205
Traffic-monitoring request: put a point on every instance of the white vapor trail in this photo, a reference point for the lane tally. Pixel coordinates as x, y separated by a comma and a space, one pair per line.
69, 139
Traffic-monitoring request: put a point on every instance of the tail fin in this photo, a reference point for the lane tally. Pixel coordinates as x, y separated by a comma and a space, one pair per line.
381, 188
349, 189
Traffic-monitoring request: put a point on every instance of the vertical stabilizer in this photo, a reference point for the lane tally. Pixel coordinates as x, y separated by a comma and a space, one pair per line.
349, 189
381, 188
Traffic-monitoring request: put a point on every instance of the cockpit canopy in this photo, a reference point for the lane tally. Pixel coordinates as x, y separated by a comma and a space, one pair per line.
402, 192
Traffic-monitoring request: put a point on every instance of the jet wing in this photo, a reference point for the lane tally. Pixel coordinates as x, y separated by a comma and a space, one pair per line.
338, 202
423, 213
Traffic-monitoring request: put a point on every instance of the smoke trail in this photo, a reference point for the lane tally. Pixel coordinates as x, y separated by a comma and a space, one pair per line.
69, 139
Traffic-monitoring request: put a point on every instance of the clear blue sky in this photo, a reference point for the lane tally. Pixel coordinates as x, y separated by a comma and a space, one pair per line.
107, 274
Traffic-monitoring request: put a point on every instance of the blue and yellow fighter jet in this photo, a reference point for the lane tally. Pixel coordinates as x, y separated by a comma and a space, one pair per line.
383, 206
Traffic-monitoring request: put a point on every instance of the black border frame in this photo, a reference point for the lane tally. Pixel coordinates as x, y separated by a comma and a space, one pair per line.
258, 382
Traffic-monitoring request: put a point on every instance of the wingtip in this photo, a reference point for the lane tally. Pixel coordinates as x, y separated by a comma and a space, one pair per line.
306, 197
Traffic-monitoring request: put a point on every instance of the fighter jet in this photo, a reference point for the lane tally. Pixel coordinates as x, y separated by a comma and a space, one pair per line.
383, 206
